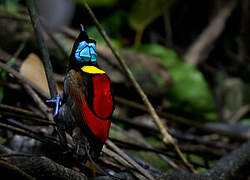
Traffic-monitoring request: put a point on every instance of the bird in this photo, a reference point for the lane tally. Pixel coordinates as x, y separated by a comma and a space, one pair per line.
87, 104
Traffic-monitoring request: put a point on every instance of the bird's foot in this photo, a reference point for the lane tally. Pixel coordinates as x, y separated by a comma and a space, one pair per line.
57, 102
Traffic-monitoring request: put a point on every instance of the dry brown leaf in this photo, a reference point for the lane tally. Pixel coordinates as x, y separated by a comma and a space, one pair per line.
32, 68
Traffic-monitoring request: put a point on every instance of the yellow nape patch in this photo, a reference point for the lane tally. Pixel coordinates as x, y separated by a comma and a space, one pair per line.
92, 70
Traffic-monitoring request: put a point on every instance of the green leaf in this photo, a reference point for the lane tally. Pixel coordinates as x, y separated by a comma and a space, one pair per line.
190, 89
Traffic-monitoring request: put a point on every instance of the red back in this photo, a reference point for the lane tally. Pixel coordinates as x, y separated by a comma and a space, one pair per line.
102, 107
103, 99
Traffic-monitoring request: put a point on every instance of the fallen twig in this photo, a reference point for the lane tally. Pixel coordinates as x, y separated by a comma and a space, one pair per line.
17, 110
122, 161
140, 144
21, 117
127, 158
30, 134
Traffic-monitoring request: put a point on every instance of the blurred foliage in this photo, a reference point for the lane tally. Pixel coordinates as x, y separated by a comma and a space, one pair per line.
113, 26
152, 159
196, 159
246, 122
93, 33
3, 75
144, 12
190, 90
2, 140
98, 3
11, 6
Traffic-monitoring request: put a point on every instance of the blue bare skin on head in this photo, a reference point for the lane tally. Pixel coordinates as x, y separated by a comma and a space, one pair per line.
86, 52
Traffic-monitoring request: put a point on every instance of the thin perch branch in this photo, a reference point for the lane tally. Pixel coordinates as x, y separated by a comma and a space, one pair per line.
6, 107
39, 102
167, 138
43, 48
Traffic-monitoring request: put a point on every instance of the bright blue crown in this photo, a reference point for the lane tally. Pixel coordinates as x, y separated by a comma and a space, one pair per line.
86, 52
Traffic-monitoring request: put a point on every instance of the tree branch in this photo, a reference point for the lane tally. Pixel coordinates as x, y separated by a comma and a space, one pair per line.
36, 136
44, 168
43, 48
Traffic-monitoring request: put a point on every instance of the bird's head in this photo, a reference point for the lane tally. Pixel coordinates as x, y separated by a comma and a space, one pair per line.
83, 55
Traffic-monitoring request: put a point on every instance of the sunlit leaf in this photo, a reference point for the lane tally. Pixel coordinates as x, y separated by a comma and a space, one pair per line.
32, 68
